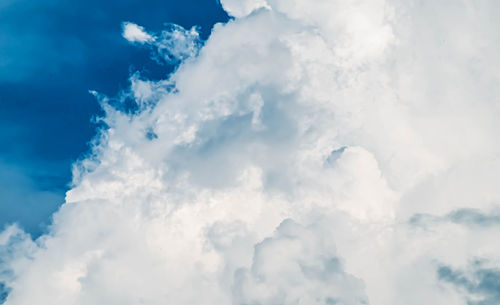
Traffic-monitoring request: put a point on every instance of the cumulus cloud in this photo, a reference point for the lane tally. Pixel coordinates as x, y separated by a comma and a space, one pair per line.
284, 161
297, 265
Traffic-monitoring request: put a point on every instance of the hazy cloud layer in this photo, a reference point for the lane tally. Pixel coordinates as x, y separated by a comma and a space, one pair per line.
282, 163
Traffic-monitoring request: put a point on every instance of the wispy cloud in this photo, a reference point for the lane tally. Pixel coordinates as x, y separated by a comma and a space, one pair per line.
172, 45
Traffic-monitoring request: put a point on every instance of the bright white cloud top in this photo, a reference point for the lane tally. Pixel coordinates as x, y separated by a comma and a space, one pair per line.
341, 152
135, 33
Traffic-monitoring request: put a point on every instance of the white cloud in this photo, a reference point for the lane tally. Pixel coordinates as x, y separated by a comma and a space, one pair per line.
172, 45
297, 265
242, 8
176, 44
283, 161
136, 33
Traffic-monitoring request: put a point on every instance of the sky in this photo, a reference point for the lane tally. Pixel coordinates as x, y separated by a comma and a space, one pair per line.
270, 152
51, 54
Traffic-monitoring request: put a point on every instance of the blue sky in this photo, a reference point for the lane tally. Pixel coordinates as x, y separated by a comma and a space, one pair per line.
51, 53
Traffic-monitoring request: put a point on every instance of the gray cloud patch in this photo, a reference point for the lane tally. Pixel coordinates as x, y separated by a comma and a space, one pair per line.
3, 293
467, 217
481, 285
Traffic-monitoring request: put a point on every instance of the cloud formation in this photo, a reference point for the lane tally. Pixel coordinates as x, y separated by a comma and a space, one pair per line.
282, 163
480, 284
173, 45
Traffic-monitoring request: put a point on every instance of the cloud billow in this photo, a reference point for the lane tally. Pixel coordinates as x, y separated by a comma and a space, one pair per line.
480, 284
280, 163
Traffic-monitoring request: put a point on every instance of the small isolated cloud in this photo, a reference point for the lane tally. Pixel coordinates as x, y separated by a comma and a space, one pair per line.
136, 33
